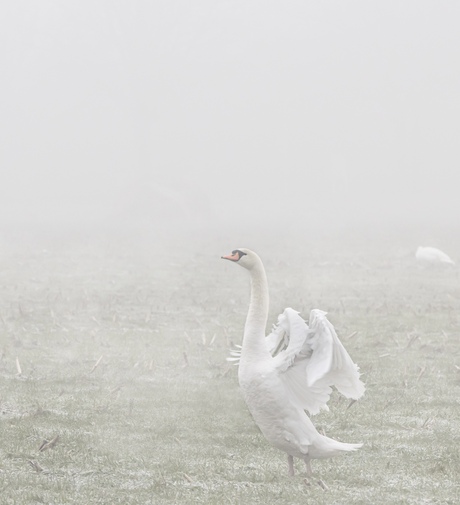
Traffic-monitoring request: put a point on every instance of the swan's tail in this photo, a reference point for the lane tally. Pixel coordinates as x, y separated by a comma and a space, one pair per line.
327, 447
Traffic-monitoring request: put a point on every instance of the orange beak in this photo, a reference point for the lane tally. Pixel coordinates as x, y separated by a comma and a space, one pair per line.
231, 257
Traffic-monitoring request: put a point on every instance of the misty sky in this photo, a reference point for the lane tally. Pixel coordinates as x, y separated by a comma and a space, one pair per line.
213, 111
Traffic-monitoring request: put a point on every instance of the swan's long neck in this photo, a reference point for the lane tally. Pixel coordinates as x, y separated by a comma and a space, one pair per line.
254, 345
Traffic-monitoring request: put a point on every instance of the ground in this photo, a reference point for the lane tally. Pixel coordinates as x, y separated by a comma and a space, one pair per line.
114, 388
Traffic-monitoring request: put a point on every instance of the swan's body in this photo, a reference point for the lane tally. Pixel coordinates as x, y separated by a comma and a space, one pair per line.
432, 255
291, 371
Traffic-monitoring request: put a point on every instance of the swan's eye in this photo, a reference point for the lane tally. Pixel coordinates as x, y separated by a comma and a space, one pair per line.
239, 253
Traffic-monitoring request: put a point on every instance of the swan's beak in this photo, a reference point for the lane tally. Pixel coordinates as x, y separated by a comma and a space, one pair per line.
231, 257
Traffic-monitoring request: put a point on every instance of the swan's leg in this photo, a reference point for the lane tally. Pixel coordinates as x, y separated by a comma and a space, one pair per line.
320, 482
290, 466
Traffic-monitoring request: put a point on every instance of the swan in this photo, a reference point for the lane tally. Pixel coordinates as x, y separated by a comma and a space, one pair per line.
432, 255
291, 371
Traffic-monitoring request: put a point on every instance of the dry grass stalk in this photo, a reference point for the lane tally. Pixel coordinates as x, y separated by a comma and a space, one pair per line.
186, 477
18, 366
388, 404
407, 428
352, 402
394, 340
48, 444
351, 335
96, 364
422, 371
35, 466
114, 390
427, 422
226, 371
412, 339
322, 485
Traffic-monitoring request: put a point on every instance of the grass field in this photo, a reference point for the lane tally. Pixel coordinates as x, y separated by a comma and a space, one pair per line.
114, 387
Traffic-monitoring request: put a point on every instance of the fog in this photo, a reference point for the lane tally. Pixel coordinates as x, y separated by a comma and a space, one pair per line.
221, 114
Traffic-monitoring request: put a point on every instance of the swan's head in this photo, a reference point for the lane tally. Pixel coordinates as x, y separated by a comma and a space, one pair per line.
244, 257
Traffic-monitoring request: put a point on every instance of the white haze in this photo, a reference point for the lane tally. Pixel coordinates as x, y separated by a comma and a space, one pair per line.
172, 114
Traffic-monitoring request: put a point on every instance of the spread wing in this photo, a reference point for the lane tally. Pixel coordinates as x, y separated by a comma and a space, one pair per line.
311, 359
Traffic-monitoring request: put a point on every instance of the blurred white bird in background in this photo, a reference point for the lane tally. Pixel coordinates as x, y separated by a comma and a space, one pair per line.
432, 255
291, 371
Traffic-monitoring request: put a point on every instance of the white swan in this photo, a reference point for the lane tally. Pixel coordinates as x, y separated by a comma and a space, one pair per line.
291, 371
432, 255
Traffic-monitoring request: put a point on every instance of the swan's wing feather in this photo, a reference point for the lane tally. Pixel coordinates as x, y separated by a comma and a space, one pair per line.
312, 360
287, 337
312, 398
235, 355
330, 363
